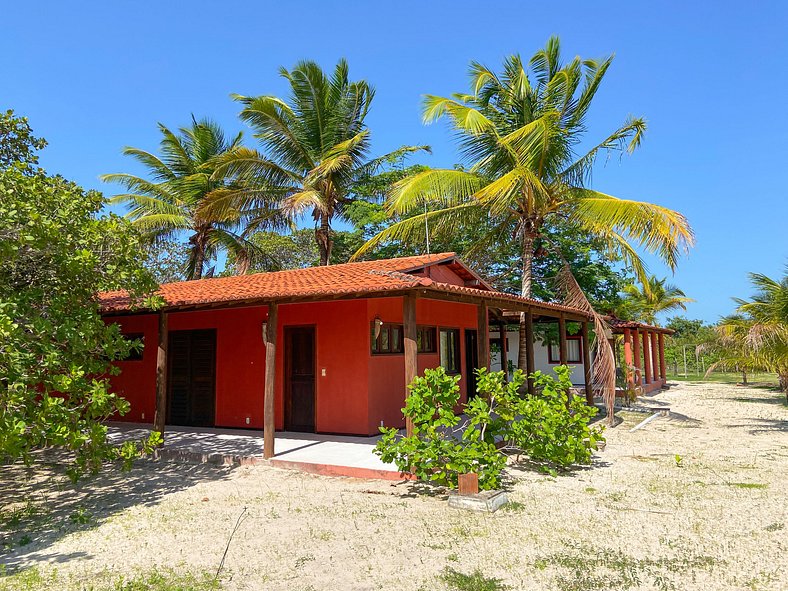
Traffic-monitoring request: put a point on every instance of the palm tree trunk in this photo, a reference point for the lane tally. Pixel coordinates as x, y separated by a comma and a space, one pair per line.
324, 242
198, 244
525, 291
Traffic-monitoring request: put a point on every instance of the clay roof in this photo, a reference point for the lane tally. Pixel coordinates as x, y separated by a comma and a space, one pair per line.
316, 283
618, 325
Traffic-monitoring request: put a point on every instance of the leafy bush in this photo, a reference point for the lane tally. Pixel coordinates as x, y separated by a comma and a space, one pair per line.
550, 428
441, 448
553, 427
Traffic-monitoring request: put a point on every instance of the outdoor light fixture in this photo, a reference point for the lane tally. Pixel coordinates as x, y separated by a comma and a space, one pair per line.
378, 325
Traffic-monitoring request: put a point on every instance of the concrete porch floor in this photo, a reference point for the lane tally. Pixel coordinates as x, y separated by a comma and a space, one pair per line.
330, 455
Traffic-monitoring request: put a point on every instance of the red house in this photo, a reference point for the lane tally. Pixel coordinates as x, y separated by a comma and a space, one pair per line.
323, 349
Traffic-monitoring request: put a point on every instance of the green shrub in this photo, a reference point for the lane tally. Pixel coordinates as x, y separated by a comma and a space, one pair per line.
440, 448
550, 428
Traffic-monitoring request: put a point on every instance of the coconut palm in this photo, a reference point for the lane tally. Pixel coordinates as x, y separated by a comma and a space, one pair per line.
644, 303
755, 338
520, 131
180, 181
314, 149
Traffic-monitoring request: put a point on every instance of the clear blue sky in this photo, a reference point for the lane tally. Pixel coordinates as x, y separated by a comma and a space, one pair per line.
710, 77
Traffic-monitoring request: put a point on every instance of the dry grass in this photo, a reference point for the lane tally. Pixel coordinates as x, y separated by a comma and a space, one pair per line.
695, 501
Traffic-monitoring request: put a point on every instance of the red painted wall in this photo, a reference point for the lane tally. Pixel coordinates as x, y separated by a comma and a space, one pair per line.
357, 392
387, 372
137, 380
240, 361
342, 351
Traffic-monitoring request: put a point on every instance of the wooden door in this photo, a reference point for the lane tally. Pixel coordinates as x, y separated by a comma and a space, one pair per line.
471, 361
300, 378
191, 381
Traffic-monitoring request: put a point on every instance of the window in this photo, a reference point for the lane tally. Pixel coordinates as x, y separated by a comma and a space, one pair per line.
450, 350
425, 339
574, 352
389, 339
137, 348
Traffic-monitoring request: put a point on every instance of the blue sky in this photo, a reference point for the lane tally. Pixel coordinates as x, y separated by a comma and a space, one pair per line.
710, 77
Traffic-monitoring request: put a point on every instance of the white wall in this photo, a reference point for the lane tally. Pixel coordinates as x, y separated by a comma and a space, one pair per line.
541, 359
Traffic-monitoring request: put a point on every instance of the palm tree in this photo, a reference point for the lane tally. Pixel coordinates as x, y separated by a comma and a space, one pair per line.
521, 133
314, 149
755, 338
180, 181
657, 296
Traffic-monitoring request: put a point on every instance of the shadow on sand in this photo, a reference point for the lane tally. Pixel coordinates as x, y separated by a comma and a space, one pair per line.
39, 505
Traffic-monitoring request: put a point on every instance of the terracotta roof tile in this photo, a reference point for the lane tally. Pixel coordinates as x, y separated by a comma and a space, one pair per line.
366, 277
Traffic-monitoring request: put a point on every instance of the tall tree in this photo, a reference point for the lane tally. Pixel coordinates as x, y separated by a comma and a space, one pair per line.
520, 132
644, 303
314, 150
58, 251
181, 180
756, 336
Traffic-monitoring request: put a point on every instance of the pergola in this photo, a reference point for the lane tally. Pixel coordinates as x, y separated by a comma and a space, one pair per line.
644, 353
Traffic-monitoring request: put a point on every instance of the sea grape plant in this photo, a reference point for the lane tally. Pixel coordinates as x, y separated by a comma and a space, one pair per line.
551, 428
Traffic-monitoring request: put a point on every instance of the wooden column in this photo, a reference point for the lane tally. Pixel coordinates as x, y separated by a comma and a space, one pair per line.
562, 340
504, 350
662, 367
647, 377
411, 353
160, 414
587, 364
637, 359
628, 372
269, 416
483, 335
655, 358
529, 350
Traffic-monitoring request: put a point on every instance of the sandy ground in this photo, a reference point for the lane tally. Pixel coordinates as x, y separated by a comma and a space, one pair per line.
695, 501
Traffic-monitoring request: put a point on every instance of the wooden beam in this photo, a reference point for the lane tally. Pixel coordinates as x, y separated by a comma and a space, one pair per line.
269, 417
483, 335
587, 364
647, 377
411, 353
160, 414
529, 350
637, 359
662, 369
562, 340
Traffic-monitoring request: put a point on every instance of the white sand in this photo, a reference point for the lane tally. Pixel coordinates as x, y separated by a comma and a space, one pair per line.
636, 520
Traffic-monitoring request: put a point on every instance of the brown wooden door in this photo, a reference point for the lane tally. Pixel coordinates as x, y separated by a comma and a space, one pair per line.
191, 381
300, 378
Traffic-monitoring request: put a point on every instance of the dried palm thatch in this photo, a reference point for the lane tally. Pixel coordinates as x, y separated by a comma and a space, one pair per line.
604, 366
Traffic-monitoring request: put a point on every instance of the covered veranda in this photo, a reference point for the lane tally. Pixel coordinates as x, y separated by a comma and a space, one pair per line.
644, 354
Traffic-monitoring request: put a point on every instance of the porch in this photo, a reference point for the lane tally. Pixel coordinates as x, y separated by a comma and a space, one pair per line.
327, 455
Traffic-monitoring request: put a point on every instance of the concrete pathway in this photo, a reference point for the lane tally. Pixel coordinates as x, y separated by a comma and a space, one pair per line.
335, 455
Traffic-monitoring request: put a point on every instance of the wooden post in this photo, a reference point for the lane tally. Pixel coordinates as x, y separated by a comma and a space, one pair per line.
160, 415
662, 367
587, 365
628, 358
647, 377
655, 358
269, 417
482, 336
562, 339
504, 350
529, 350
411, 353
636, 346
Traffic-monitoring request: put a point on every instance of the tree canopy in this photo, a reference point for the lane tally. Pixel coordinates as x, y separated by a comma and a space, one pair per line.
58, 251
